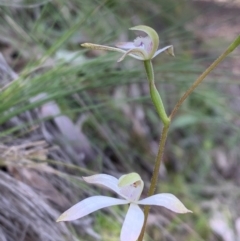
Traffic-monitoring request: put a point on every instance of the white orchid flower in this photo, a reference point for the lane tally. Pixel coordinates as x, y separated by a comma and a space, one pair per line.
142, 48
129, 187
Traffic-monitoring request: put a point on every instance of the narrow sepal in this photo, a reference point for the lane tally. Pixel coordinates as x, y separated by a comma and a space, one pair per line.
166, 200
136, 53
105, 180
88, 206
168, 49
102, 47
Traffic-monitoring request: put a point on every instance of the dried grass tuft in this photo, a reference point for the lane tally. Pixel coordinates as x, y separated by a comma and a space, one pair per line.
26, 216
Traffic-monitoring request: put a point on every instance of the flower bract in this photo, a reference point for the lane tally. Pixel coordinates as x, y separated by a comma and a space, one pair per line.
129, 187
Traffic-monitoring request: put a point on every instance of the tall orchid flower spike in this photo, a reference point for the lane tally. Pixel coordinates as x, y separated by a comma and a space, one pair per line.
142, 48
129, 187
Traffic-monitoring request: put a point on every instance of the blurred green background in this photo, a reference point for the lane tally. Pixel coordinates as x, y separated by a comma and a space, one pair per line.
66, 112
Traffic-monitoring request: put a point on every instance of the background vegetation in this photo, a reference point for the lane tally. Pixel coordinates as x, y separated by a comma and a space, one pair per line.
66, 112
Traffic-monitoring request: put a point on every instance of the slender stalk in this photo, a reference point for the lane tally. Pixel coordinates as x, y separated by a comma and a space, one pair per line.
167, 120
156, 98
199, 80
155, 175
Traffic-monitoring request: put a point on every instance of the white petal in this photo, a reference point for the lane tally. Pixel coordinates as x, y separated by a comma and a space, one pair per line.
168, 49
132, 224
166, 200
126, 45
137, 53
89, 205
105, 180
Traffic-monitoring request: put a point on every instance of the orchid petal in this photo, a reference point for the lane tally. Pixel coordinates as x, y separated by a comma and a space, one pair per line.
137, 52
131, 186
167, 49
132, 224
166, 200
153, 36
89, 205
105, 180
126, 45
102, 47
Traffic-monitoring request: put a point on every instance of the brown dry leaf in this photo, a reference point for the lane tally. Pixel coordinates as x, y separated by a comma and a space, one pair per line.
26, 216
39, 182
18, 162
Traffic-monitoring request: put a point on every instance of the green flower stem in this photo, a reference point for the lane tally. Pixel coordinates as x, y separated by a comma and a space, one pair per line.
155, 175
199, 80
156, 98
167, 120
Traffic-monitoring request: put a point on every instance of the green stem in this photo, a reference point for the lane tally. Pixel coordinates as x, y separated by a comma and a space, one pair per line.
167, 120
156, 98
199, 80
155, 175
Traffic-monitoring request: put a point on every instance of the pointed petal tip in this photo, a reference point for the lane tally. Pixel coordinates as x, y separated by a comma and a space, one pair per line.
182, 210
61, 218
120, 59
166, 200
88, 45
84, 44
170, 51
87, 179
